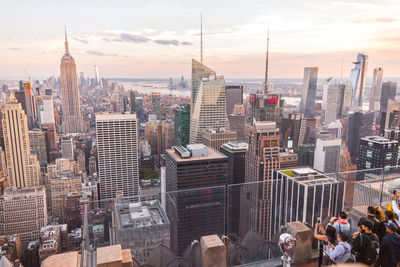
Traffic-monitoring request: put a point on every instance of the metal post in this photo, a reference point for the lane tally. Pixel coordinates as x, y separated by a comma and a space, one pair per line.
383, 181
321, 248
285, 260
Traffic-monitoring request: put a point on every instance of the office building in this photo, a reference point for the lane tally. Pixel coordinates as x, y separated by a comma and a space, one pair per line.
182, 125
30, 104
199, 211
293, 129
360, 125
117, 146
236, 153
21, 165
307, 104
237, 123
71, 107
327, 153
132, 101
140, 227
62, 167
215, 138
288, 159
358, 76
388, 92
38, 145
304, 194
67, 148
377, 152
47, 113
156, 104
60, 186
234, 95
199, 71
75, 208
375, 97
209, 108
24, 212
338, 100
10, 247
262, 158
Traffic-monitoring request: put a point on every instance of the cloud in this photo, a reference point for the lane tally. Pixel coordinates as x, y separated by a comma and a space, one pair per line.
167, 42
373, 20
82, 40
186, 43
134, 38
101, 54
15, 48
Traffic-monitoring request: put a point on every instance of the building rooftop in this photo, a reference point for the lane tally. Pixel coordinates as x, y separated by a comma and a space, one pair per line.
104, 116
109, 254
67, 259
236, 146
140, 214
212, 154
379, 139
308, 176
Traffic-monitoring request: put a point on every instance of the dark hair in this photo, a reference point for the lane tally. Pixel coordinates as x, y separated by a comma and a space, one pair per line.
343, 236
343, 215
368, 223
331, 232
362, 219
372, 210
394, 191
389, 215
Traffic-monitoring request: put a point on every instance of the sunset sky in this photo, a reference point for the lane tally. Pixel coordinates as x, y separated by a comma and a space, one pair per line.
157, 39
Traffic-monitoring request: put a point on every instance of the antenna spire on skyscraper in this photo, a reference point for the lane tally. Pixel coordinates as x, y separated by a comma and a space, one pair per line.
266, 68
201, 38
66, 42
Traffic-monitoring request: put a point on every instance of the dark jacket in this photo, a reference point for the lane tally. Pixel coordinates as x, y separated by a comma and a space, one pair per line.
389, 251
377, 225
360, 246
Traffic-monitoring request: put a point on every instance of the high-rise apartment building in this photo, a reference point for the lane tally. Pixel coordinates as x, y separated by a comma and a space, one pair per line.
117, 146
24, 212
182, 125
307, 104
209, 109
375, 97
358, 76
195, 203
262, 158
360, 125
47, 114
21, 165
215, 138
156, 103
234, 95
71, 107
327, 153
377, 152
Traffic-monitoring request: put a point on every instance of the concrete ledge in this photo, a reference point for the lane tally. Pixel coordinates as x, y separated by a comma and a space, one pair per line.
213, 251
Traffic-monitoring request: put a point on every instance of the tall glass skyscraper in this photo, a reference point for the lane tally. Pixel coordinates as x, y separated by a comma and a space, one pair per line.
375, 97
358, 76
307, 104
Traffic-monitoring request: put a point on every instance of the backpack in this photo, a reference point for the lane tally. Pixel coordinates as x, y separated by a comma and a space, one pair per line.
347, 257
371, 250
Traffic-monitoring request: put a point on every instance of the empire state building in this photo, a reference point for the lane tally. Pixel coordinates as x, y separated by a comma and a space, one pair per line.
72, 118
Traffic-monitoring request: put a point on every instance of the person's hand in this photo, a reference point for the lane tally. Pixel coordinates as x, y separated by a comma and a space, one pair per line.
333, 219
330, 245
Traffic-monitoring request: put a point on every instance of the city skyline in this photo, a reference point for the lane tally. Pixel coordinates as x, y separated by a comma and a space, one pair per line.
160, 35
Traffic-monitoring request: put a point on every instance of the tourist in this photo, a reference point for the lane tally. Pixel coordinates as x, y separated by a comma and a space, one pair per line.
341, 224
389, 252
366, 243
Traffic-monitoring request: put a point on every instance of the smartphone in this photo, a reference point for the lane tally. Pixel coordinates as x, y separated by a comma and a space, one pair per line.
318, 220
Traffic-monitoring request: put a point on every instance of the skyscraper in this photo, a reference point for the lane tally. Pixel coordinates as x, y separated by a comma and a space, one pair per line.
262, 158
234, 95
22, 166
156, 103
209, 109
215, 138
360, 125
117, 145
47, 114
132, 101
199, 71
307, 104
293, 129
96, 75
182, 125
358, 77
388, 92
327, 153
338, 100
72, 118
31, 111
375, 97
196, 177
